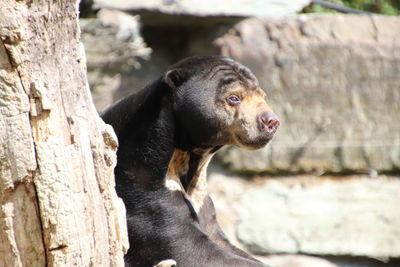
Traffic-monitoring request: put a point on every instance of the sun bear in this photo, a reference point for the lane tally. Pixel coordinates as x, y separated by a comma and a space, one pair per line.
167, 134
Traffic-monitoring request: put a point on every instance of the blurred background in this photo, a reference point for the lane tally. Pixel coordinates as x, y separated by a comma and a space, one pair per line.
326, 191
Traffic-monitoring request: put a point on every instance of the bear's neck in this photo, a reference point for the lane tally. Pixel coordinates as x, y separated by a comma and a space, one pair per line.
187, 172
150, 147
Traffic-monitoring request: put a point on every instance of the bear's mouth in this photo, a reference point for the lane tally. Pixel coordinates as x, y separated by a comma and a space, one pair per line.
254, 144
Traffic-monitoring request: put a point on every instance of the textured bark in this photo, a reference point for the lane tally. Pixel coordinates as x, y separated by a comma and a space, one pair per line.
58, 204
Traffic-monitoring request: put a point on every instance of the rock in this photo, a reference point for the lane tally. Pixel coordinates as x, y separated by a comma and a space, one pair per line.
287, 260
322, 216
241, 8
297, 261
113, 46
349, 195
335, 87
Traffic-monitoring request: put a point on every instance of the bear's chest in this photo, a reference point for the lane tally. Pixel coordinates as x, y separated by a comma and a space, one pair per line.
187, 172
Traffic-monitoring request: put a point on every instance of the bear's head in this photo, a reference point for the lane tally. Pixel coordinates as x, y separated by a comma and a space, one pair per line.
217, 101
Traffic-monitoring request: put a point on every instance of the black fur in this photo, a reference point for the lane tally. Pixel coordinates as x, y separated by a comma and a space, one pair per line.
174, 112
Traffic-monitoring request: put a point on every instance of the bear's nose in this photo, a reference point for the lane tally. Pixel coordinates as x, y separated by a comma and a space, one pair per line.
268, 122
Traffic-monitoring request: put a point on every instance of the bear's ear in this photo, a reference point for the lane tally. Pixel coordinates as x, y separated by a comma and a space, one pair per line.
175, 78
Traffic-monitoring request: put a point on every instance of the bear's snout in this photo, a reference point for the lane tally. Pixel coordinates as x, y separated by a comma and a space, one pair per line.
268, 123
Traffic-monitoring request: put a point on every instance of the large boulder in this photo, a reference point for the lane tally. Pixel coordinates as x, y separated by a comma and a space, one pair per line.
359, 217
241, 8
327, 216
334, 81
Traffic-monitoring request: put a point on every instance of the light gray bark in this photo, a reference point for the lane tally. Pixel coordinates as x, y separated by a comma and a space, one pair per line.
58, 205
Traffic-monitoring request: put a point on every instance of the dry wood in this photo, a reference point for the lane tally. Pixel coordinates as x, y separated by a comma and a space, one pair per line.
58, 203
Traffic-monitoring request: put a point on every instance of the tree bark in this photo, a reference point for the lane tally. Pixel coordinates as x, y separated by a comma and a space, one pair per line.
58, 203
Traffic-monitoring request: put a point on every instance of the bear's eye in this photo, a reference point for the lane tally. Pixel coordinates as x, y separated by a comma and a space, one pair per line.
233, 100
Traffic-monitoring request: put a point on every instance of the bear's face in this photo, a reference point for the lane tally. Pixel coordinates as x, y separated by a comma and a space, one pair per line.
251, 123
219, 102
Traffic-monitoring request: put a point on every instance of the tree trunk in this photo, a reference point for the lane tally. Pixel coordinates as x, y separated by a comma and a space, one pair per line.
58, 202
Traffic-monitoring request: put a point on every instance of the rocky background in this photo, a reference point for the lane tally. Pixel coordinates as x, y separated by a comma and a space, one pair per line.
326, 191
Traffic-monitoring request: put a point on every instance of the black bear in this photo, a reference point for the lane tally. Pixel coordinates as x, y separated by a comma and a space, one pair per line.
167, 134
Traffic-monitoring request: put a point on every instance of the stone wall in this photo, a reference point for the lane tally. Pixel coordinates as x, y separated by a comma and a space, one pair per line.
207, 8
335, 88
347, 220
334, 80
113, 46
